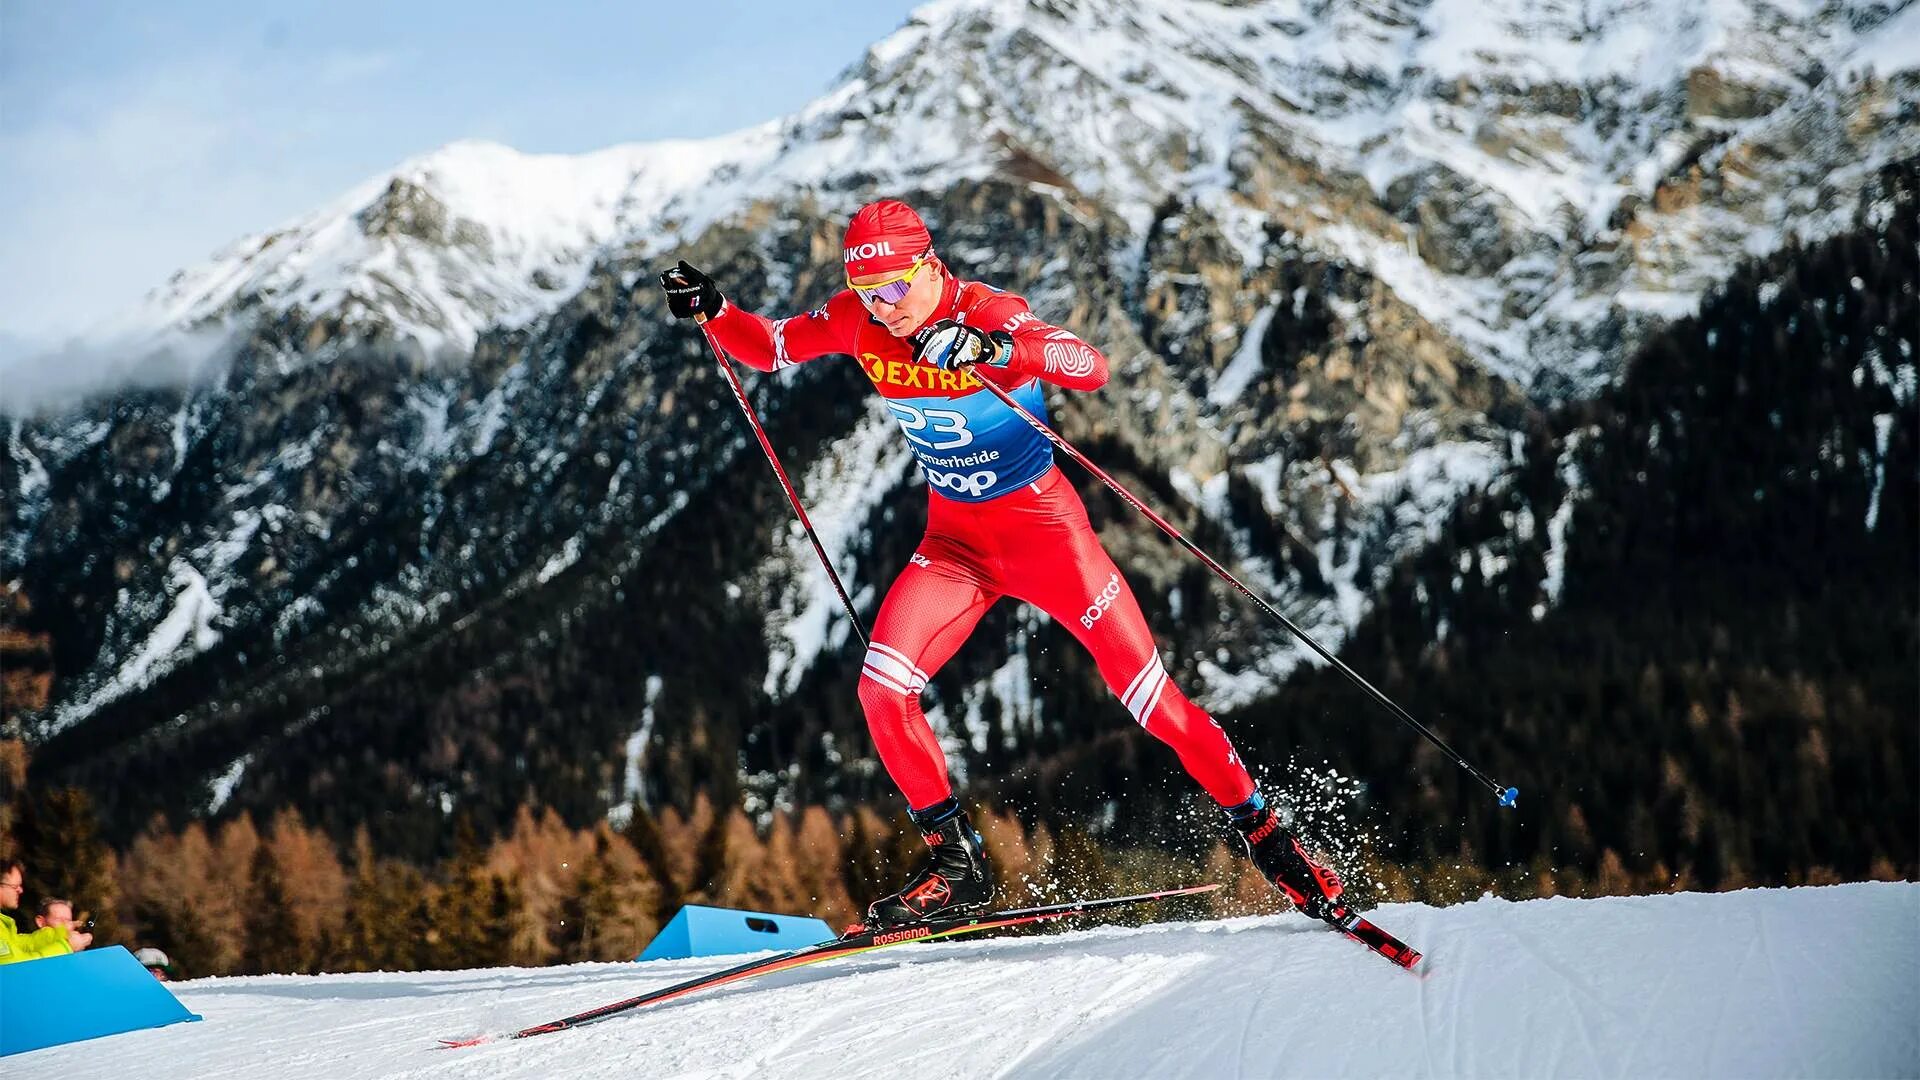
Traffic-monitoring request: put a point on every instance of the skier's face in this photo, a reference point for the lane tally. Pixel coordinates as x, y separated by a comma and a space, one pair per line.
903, 318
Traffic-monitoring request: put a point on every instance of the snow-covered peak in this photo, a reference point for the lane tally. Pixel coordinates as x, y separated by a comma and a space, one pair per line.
1896, 47
470, 235
1346, 73
1637, 42
1551, 111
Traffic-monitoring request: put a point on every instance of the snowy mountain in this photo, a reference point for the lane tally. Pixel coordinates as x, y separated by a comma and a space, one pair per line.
469, 237
1337, 250
1813, 982
1525, 175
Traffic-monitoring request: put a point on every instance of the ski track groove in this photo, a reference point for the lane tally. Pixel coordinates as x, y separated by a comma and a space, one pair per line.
1641, 1026
1862, 1000
1779, 987
1247, 1018
1137, 975
1428, 1003
1724, 1002
1571, 982
1568, 983
1454, 1011
1821, 961
1010, 1068
568, 999
891, 969
1571, 978
759, 1062
855, 1023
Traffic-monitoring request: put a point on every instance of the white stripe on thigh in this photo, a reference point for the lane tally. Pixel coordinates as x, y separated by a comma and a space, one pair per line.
903, 659
1150, 700
1145, 691
888, 681
892, 669
1152, 663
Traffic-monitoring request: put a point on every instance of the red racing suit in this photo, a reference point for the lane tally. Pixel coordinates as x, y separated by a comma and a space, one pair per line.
1001, 521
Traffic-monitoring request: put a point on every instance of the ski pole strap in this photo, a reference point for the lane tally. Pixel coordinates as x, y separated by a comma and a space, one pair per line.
1506, 795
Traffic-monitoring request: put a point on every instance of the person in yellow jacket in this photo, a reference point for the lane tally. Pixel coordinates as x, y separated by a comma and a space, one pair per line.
46, 941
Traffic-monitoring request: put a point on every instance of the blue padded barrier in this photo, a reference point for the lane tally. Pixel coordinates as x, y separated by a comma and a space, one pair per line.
64, 999
711, 931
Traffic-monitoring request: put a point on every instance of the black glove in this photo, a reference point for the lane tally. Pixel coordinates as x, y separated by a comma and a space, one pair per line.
949, 345
690, 292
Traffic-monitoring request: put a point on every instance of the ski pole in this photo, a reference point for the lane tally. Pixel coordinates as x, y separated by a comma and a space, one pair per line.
799, 511
1507, 795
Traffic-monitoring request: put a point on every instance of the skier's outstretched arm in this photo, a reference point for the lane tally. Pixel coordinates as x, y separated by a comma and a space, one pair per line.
754, 340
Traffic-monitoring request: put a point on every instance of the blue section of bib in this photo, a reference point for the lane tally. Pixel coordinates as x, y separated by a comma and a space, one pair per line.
974, 448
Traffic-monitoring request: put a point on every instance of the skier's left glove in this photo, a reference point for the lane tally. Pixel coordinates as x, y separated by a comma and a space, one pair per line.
690, 293
949, 345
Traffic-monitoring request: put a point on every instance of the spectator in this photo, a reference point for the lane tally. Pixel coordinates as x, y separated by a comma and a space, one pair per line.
46, 941
54, 912
158, 964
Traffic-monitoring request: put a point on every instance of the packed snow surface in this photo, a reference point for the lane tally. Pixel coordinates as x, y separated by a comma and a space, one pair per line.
1766, 982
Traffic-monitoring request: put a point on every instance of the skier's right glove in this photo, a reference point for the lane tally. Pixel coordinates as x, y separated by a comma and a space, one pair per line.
950, 346
690, 293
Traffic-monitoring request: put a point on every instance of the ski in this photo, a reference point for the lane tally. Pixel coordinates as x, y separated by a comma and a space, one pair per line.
857, 941
1355, 926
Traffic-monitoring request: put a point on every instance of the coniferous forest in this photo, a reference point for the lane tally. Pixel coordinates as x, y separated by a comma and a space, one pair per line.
1685, 621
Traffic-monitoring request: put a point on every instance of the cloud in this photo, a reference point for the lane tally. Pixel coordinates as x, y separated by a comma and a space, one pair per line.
111, 186
16, 347
55, 378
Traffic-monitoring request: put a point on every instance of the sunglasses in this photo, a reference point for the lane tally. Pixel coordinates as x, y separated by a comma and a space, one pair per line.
894, 289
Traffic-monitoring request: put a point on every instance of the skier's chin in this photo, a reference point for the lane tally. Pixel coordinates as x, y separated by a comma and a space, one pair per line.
904, 328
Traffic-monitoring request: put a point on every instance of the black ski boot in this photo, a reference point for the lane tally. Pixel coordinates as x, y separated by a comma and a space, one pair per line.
956, 878
1312, 886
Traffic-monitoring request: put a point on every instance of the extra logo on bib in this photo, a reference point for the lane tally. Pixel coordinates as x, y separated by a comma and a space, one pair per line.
911, 379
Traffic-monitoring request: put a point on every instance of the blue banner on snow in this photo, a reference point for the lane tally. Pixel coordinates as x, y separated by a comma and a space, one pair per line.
64, 999
712, 931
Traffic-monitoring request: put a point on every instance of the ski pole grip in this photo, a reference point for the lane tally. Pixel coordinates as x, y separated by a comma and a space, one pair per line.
1509, 796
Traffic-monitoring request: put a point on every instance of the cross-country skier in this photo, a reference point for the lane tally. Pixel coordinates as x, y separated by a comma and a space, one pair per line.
1001, 521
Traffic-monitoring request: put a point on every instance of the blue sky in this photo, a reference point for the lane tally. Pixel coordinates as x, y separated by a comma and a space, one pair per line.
136, 138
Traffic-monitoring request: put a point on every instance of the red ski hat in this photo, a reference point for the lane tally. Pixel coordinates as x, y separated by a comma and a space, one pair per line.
885, 237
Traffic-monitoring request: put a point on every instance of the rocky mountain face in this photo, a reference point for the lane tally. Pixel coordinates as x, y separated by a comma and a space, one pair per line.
456, 519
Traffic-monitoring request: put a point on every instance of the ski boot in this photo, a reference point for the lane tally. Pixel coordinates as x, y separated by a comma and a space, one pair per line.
1312, 886
955, 879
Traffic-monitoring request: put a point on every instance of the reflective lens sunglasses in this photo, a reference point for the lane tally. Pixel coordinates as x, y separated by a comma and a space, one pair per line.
894, 289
